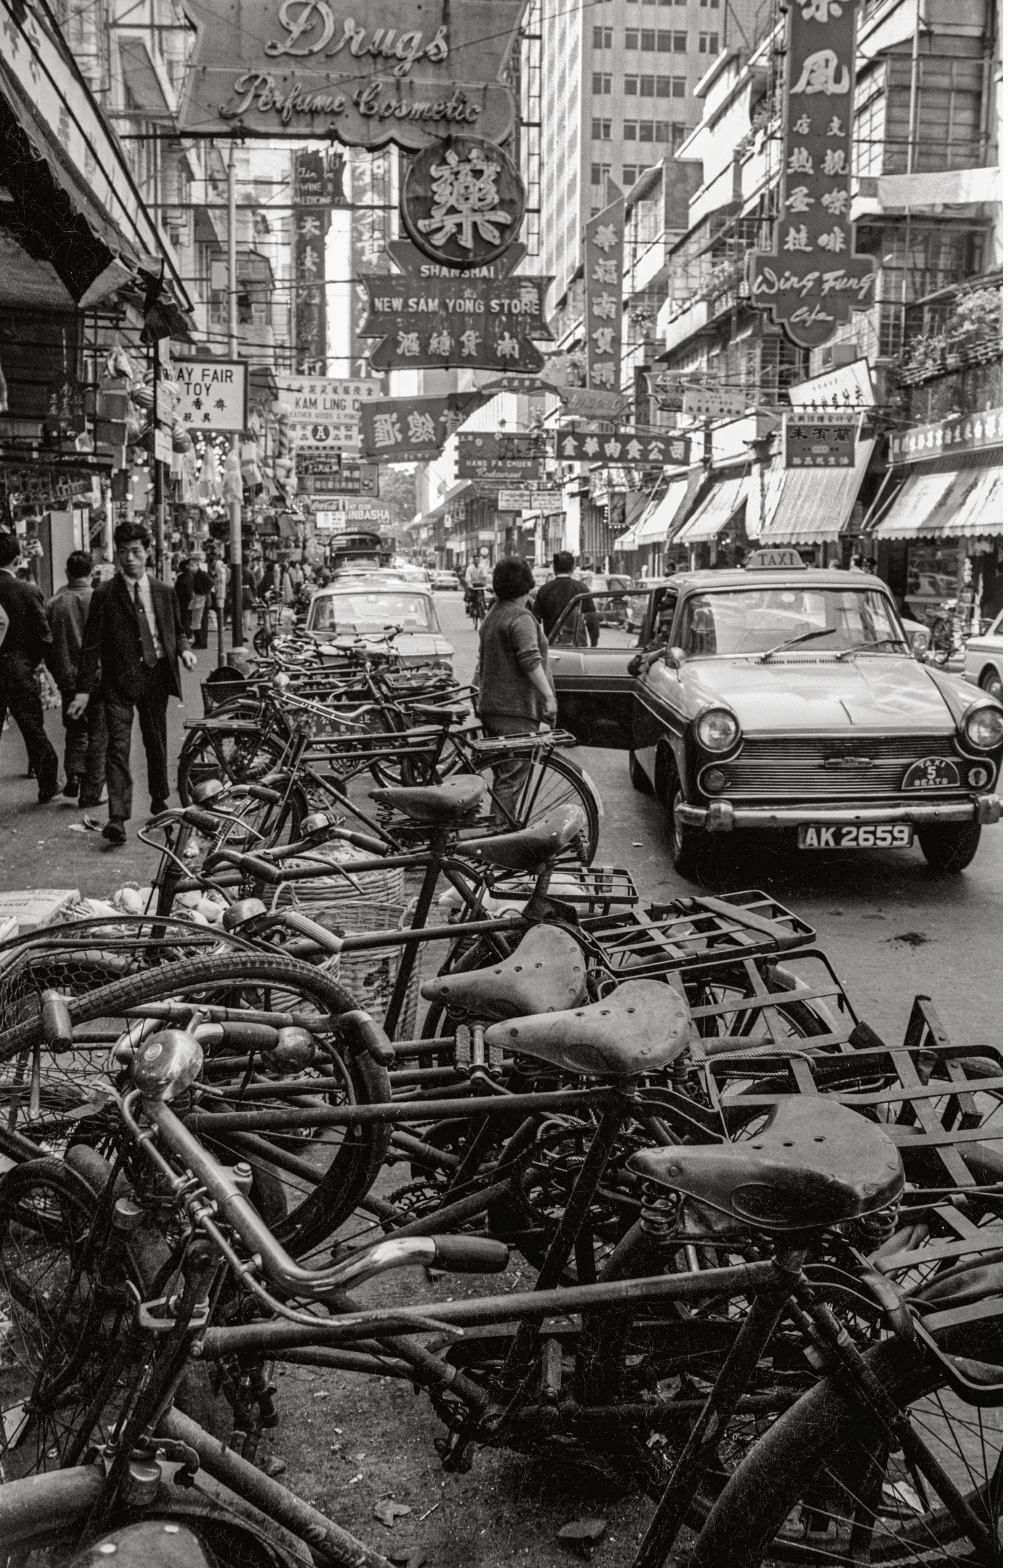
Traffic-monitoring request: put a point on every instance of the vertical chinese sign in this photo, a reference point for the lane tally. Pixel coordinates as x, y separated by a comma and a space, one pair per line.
812, 279
604, 290
317, 183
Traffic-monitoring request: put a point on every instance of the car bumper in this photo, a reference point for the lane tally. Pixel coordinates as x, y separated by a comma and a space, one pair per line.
723, 817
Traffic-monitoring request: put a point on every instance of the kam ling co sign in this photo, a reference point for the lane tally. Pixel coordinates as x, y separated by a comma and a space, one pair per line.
328, 67
811, 280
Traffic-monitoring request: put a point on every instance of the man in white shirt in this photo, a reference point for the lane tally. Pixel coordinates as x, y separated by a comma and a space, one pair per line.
474, 577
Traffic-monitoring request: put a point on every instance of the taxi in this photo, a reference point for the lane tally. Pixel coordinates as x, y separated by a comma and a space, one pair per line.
383, 614
780, 696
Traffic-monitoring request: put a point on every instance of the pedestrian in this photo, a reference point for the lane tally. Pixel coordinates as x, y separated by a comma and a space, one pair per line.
222, 580
554, 597
474, 581
199, 613
514, 687
248, 602
84, 747
25, 644
184, 588
133, 641
268, 582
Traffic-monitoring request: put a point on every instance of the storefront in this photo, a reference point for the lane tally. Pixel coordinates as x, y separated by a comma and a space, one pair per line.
938, 525
808, 508
715, 533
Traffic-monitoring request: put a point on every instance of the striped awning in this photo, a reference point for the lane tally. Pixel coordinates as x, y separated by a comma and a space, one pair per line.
654, 528
808, 505
964, 502
717, 510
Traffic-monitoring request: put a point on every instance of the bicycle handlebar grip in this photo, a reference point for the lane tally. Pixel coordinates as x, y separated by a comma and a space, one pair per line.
56, 1026
203, 821
470, 1254
259, 870
373, 1038
261, 792
295, 921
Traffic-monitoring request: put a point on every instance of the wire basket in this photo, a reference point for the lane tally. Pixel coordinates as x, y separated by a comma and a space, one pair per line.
369, 976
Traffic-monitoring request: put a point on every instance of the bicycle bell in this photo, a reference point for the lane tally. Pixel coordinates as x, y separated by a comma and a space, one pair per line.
167, 1063
207, 790
242, 912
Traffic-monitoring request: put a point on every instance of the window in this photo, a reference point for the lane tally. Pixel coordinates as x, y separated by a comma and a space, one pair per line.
602, 81
648, 38
679, 86
645, 131
680, 43
663, 41
630, 130
599, 173
662, 87
630, 86
603, 37
647, 86
631, 38
601, 130
708, 43
630, 173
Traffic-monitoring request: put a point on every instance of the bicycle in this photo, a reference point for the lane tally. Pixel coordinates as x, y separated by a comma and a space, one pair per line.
476, 606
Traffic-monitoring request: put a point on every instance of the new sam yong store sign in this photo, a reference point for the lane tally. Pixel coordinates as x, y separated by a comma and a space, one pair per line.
319, 67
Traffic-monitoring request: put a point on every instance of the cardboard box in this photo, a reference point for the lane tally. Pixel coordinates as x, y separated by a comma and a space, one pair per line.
37, 906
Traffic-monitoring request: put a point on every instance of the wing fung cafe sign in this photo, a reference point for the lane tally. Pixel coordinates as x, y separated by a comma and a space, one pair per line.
356, 72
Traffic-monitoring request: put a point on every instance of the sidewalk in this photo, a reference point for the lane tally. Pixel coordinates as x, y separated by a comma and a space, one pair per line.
41, 846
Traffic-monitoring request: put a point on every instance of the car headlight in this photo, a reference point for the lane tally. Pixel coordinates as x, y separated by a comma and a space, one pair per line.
718, 729
919, 641
984, 728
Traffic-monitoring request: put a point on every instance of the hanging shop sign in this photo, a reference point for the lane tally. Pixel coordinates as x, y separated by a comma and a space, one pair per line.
846, 386
310, 226
462, 202
812, 280
353, 510
325, 411
642, 451
317, 475
318, 179
968, 434
714, 402
485, 454
531, 501
212, 394
372, 183
405, 429
410, 260
586, 403
483, 323
604, 293
817, 441
304, 68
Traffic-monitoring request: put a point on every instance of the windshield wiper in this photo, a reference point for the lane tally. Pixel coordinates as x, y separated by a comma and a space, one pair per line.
877, 642
824, 631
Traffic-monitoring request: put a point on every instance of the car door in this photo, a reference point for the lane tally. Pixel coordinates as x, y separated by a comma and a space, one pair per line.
589, 652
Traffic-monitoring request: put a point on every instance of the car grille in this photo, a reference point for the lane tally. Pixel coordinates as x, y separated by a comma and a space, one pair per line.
795, 769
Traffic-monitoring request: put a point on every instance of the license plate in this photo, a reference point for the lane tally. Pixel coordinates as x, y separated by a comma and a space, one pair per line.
881, 835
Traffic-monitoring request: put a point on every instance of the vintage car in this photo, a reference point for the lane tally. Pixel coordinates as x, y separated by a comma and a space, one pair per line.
383, 610
783, 697
440, 577
983, 659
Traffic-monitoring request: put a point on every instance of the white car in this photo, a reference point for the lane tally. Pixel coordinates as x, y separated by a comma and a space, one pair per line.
440, 577
983, 659
384, 610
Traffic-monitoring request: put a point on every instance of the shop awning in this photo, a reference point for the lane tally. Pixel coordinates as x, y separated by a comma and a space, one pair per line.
717, 510
654, 528
956, 504
808, 505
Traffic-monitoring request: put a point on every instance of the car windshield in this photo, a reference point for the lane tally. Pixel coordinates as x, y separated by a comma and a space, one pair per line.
370, 612
600, 620
756, 620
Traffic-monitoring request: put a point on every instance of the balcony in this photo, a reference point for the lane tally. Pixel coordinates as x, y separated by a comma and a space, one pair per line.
956, 331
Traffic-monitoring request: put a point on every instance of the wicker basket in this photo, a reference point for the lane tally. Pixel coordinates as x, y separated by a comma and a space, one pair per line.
369, 976
326, 892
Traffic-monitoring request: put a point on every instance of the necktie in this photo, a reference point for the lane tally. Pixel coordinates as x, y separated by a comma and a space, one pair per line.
147, 647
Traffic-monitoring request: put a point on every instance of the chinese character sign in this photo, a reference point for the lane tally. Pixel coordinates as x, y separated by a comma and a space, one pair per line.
604, 292
210, 394
811, 442
483, 323
812, 280
462, 201
641, 451
311, 224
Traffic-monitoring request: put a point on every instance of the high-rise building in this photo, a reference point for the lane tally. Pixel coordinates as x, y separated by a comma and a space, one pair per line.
618, 81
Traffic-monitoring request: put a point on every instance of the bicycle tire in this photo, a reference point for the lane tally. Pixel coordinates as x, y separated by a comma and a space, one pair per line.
806, 1458
233, 756
559, 782
358, 1157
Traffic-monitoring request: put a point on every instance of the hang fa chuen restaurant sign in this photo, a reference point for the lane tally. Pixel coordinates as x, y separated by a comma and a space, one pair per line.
366, 74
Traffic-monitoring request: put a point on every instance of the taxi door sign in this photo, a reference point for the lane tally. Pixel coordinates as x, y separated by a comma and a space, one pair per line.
773, 559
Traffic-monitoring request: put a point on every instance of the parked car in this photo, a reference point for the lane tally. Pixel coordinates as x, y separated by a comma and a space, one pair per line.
783, 697
440, 577
376, 610
983, 659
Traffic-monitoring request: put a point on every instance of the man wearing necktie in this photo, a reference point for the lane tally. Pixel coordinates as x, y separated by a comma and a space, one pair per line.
133, 641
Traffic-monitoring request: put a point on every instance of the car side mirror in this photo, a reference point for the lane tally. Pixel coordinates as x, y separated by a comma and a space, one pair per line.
673, 658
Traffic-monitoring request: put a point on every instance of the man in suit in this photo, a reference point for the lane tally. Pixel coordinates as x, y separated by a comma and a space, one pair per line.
25, 644
133, 641
84, 752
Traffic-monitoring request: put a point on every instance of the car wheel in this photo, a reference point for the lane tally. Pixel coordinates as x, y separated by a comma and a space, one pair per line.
992, 683
639, 777
951, 846
684, 844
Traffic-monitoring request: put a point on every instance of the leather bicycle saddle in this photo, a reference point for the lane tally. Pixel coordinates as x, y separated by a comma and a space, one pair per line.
435, 713
150, 1543
640, 1027
545, 974
814, 1163
448, 802
530, 846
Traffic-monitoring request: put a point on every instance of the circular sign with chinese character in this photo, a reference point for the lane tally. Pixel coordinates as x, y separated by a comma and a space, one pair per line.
462, 202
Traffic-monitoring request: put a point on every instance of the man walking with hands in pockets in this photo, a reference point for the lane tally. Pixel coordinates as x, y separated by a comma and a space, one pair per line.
133, 641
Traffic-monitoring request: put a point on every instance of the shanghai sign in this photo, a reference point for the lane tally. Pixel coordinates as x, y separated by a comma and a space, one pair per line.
462, 202
335, 68
641, 451
811, 280
486, 323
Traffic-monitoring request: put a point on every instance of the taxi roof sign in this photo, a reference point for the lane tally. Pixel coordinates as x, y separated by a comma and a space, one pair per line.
774, 558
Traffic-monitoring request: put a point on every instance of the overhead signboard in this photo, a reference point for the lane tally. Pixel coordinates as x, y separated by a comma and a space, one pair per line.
212, 394
483, 323
480, 455
847, 386
640, 451
462, 201
714, 402
365, 76
971, 433
354, 510
605, 293
812, 279
318, 476
410, 429
325, 410
531, 501
410, 260
816, 441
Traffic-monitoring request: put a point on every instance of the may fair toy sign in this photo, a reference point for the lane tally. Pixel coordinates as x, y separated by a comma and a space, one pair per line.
367, 75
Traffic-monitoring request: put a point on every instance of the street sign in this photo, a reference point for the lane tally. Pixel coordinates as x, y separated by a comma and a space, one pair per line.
604, 293
819, 441
483, 323
462, 201
641, 451
531, 501
479, 455
212, 393
317, 475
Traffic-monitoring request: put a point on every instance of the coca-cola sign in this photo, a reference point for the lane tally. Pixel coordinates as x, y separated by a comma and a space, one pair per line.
325, 68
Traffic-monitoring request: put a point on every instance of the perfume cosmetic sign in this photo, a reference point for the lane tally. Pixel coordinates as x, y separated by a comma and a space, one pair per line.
812, 279
366, 75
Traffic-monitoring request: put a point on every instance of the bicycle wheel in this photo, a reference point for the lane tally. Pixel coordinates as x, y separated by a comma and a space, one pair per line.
552, 781
821, 1486
234, 755
331, 1171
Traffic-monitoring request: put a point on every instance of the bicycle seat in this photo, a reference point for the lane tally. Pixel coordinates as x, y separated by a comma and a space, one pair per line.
433, 713
639, 1028
545, 974
530, 846
447, 802
814, 1163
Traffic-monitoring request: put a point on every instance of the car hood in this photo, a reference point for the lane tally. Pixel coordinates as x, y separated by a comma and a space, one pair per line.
874, 693
416, 646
